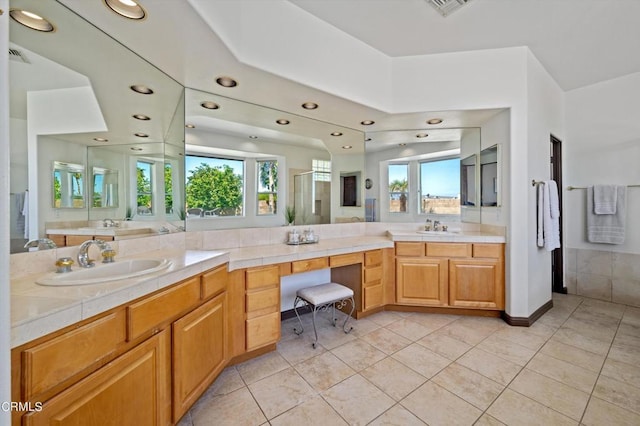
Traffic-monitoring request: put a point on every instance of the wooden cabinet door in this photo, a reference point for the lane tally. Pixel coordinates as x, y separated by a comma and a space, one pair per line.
134, 389
372, 295
199, 352
422, 281
263, 330
476, 283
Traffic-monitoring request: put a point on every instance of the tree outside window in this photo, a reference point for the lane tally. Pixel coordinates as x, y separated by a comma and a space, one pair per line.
144, 187
215, 186
267, 187
398, 187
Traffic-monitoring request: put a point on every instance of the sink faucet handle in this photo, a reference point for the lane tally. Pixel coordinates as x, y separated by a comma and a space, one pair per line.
63, 265
108, 255
41, 244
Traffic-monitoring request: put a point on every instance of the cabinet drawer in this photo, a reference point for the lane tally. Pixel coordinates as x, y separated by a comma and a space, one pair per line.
448, 250
263, 330
372, 274
214, 282
372, 296
488, 250
410, 249
345, 259
161, 308
373, 258
267, 276
76, 240
263, 302
57, 360
309, 264
58, 239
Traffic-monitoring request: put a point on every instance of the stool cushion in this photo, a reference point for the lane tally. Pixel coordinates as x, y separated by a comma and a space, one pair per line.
324, 293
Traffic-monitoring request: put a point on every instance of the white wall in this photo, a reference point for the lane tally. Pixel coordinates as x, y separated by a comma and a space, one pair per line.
545, 117
602, 146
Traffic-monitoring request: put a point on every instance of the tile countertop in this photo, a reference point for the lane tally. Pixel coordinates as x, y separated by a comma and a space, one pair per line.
38, 310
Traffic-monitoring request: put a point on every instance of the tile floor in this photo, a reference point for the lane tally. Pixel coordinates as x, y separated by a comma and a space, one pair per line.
577, 365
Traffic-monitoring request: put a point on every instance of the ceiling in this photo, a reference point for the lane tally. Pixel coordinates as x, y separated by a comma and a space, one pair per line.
573, 40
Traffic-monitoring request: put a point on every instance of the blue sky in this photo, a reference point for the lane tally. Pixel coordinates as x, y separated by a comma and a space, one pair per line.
440, 178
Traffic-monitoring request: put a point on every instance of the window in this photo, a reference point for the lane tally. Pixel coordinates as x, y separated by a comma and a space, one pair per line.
267, 187
168, 187
398, 187
322, 169
144, 185
440, 186
215, 186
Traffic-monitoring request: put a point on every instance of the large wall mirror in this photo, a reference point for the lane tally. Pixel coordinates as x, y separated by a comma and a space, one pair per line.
251, 166
71, 102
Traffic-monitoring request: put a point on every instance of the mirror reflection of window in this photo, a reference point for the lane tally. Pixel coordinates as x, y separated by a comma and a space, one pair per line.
144, 188
440, 186
398, 187
105, 188
267, 187
68, 185
168, 188
468, 181
215, 186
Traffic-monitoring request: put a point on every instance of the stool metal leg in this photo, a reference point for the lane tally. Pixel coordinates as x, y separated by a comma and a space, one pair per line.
295, 309
313, 320
344, 326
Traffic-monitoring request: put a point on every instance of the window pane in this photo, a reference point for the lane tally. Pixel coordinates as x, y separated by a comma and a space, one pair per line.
322, 169
267, 187
440, 186
398, 187
145, 193
214, 186
168, 188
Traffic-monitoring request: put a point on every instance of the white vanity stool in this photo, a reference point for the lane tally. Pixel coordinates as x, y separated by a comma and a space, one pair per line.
321, 297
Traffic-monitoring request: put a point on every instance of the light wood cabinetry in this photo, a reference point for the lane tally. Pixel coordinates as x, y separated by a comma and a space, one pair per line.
460, 275
134, 389
262, 305
372, 285
62, 240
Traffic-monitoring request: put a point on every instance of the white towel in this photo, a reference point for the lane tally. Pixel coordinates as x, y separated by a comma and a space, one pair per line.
551, 216
605, 199
540, 215
607, 228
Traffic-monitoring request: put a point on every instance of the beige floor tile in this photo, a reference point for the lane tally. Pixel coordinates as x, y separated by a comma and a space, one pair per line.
631, 316
237, 408
621, 371
185, 420
387, 341
310, 412
522, 336
597, 331
594, 306
324, 371
513, 408
261, 367
228, 381
585, 359
393, 378
571, 337
280, 392
507, 349
435, 405
624, 353
331, 337
357, 401
433, 321
539, 329
489, 365
465, 332
618, 393
468, 385
299, 349
445, 345
551, 393
596, 318
487, 420
397, 416
358, 354
629, 334
564, 372
364, 326
409, 329
421, 360
601, 412
384, 318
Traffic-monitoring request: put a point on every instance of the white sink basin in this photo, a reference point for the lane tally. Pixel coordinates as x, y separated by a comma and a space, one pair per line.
438, 232
119, 270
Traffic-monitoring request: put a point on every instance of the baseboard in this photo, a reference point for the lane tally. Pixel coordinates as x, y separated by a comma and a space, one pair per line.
527, 321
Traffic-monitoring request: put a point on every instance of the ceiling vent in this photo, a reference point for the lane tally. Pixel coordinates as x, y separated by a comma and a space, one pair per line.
17, 55
447, 7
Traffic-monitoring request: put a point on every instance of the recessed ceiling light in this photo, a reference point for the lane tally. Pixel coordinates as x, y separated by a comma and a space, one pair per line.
434, 121
367, 140
367, 122
225, 81
422, 135
135, 148
309, 105
101, 140
346, 147
31, 20
402, 144
141, 135
141, 117
336, 133
190, 126
209, 105
127, 8
282, 121
141, 88
253, 137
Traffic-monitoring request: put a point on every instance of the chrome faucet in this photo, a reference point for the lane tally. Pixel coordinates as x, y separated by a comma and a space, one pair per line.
108, 223
106, 252
436, 225
41, 244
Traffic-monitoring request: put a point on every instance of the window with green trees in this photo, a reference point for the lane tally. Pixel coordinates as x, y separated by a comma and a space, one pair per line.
144, 180
215, 185
267, 187
398, 187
